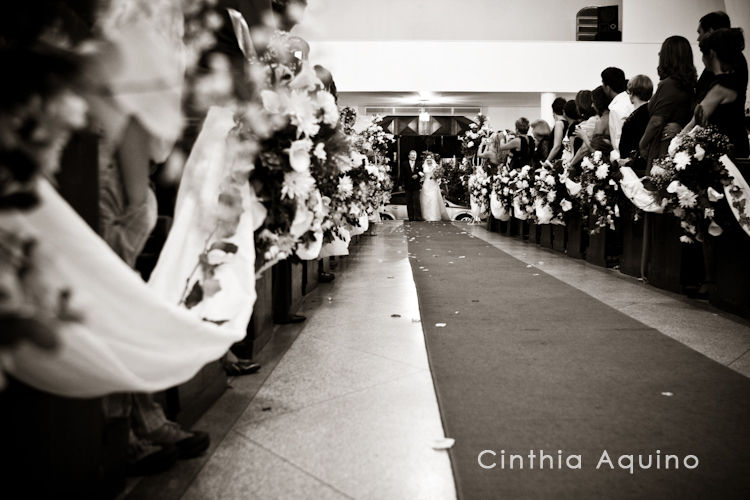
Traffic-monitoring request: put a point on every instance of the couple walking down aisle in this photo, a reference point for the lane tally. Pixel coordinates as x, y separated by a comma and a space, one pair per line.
425, 197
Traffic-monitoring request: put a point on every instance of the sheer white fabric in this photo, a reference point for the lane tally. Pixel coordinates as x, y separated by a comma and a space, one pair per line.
433, 207
130, 339
197, 210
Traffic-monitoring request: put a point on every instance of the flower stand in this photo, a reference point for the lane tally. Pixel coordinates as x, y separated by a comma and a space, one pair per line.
260, 328
632, 239
515, 226
545, 235
559, 237
731, 252
526, 231
577, 236
672, 265
493, 224
310, 276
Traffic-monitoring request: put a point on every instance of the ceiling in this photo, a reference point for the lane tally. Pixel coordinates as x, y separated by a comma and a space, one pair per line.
484, 99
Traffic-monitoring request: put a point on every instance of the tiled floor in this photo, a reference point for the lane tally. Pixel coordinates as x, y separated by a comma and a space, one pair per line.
349, 411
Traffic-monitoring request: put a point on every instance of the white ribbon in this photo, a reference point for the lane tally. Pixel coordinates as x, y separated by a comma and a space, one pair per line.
744, 191
633, 188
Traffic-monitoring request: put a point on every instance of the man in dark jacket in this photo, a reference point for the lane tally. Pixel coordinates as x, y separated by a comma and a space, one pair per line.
410, 176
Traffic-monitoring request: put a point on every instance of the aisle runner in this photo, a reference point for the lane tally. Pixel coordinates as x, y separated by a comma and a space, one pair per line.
526, 363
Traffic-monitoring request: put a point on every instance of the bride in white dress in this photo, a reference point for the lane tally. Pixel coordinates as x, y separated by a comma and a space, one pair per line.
433, 207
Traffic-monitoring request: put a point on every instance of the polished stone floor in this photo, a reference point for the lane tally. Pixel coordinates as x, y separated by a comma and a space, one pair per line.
350, 410
344, 406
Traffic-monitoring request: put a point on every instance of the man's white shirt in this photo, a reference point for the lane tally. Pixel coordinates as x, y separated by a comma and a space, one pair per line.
619, 109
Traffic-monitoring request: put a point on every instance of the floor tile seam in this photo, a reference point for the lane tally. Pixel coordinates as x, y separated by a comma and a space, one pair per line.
295, 466
353, 392
739, 357
377, 355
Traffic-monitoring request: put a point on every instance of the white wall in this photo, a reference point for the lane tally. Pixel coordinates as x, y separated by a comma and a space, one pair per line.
443, 19
467, 66
652, 21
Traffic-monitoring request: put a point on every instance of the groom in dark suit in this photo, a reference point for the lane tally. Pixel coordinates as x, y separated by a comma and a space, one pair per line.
411, 180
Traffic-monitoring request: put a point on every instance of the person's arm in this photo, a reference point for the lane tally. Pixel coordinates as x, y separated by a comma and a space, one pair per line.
703, 111
655, 124
135, 162
581, 153
512, 144
615, 127
557, 142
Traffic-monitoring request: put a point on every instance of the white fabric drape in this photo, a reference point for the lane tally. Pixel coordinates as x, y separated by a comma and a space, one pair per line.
130, 339
741, 183
207, 171
633, 188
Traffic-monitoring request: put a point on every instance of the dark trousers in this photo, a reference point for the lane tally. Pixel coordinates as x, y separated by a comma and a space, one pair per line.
413, 205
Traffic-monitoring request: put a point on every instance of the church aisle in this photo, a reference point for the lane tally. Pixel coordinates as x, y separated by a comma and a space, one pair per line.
585, 398
350, 410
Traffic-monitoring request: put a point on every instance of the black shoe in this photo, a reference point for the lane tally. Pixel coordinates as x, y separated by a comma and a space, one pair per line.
154, 463
293, 318
326, 277
241, 367
194, 445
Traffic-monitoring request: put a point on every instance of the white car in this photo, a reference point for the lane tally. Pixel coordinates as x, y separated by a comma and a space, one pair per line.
396, 209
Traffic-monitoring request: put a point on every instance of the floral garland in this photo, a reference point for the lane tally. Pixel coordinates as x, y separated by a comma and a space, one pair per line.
376, 141
348, 118
472, 138
453, 178
522, 187
40, 107
479, 184
691, 179
502, 190
599, 192
552, 199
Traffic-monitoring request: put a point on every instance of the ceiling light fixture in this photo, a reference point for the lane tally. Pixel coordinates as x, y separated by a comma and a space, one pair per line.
424, 116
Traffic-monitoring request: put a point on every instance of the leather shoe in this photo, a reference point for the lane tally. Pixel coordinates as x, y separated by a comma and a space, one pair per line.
326, 277
293, 318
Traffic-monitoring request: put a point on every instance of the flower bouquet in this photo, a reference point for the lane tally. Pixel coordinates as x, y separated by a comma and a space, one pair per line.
599, 192
691, 179
502, 194
472, 138
479, 193
522, 187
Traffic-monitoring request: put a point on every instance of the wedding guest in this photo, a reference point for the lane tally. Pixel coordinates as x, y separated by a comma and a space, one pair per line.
559, 130
640, 90
542, 133
615, 85
326, 78
600, 134
671, 107
588, 119
570, 113
708, 24
521, 147
723, 104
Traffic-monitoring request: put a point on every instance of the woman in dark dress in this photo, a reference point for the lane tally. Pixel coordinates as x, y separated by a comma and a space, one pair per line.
640, 90
671, 106
724, 103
